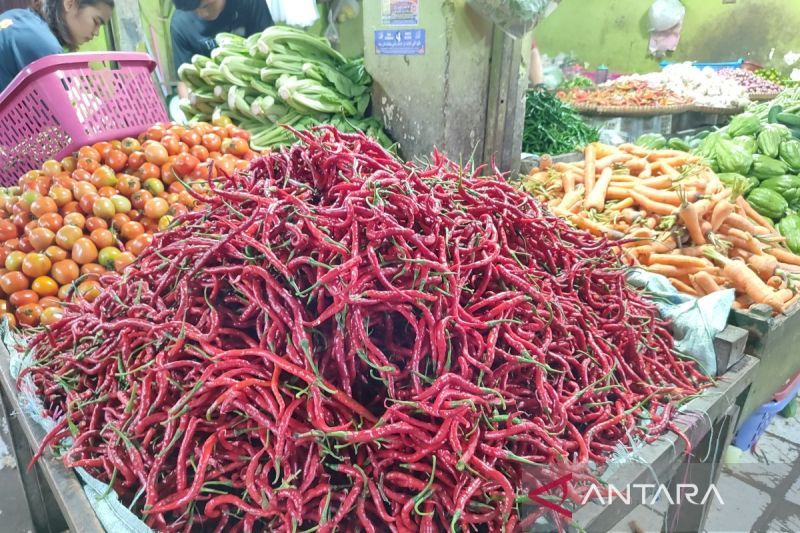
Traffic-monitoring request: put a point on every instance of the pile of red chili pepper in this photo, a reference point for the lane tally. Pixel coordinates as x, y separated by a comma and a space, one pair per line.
624, 93
346, 341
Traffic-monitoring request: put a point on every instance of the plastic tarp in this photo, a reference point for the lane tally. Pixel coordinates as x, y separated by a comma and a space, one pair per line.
515, 17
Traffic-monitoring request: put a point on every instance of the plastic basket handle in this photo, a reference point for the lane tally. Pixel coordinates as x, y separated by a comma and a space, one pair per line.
62, 61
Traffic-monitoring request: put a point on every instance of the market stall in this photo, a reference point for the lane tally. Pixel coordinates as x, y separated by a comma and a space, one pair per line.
349, 322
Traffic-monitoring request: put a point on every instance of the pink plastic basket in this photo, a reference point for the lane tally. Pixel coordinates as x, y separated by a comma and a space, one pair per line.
60, 103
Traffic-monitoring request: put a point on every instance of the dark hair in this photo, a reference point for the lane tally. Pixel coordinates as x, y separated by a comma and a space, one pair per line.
52, 11
187, 5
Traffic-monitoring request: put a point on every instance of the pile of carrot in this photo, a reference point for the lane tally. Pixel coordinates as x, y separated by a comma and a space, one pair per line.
672, 215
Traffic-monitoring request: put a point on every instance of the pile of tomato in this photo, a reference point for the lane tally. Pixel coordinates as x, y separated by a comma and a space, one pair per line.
92, 213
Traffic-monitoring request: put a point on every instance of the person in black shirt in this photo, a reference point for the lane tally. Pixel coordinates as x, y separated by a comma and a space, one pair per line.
196, 22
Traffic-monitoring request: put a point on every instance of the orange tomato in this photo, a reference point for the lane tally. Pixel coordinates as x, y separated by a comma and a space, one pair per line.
200, 152
131, 230
45, 286
36, 264
14, 260
136, 160
140, 198
69, 163
51, 315
65, 271
156, 154
149, 170
103, 148
41, 238
171, 143
20, 298
104, 176
119, 220
139, 244
21, 219
49, 301
12, 282
75, 219
28, 315
130, 145
93, 270
88, 164
212, 142
66, 236
60, 195
51, 167
89, 152
116, 159
25, 245
155, 208
107, 192
51, 221
191, 138
123, 260
185, 164
83, 251
87, 202
7, 230
156, 133
71, 207
93, 223
89, 290
55, 254
43, 205
103, 208
127, 184
102, 238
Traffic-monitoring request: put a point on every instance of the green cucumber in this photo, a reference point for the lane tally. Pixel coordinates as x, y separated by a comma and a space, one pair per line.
774, 111
788, 119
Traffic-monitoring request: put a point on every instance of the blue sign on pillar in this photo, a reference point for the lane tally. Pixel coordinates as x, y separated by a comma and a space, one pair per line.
400, 42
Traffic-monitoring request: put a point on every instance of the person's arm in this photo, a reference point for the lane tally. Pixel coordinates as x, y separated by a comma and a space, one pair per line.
535, 70
180, 55
261, 18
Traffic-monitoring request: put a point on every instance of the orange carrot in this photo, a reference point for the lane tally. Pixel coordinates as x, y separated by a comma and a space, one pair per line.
570, 199
596, 198
646, 172
763, 265
691, 214
752, 245
616, 193
671, 271
652, 206
545, 162
745, 280
752, 213
568, 182
612, 159
682, 261
666, 197
623, 204
691, 251
705, 282
683, 287
776, 282
720, 214
740, 222
657, 182
784, 255
589, 166
631, 215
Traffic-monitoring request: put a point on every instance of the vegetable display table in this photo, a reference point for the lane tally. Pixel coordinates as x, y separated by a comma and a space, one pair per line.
54, 493
707, 420
774, 340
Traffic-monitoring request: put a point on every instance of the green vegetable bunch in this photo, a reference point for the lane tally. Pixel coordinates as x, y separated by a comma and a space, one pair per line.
553, 127
282, 76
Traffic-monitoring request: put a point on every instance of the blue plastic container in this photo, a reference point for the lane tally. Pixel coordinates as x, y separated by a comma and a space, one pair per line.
716, 66
759, 421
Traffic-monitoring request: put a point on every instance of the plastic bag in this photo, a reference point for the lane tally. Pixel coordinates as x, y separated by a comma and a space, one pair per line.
298, 13
340, 11
515, 17
666, 14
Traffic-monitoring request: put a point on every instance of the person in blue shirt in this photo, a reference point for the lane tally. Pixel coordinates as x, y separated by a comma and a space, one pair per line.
49, 27
196, 22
